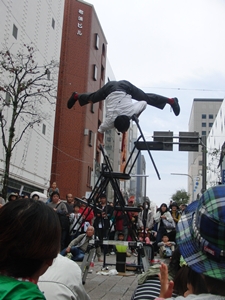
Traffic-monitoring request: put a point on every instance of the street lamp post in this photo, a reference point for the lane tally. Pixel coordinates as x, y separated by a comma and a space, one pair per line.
191, 180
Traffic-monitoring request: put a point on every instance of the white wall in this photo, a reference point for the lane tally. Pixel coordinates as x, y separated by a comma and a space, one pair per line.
31, 160
215, 140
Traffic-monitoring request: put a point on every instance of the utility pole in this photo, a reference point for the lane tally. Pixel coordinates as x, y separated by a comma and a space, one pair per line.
204, 162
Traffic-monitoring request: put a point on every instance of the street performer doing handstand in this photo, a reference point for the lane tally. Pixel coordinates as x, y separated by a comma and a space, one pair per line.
119, 105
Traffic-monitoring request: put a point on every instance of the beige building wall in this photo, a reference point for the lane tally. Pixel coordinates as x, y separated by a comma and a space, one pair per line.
203, 114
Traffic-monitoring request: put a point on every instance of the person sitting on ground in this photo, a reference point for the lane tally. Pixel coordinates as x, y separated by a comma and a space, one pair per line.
78, 246
63, 280
166, 247
29, 242
119, 106
149, 284
200, 237
162, 213
144, 236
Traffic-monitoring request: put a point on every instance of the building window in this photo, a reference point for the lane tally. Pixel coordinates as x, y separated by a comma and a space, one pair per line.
203, 132
210, 116
102, 72
53, 23
43, 129
92, 108
210, 124
15, 31
200, 163
96, 41
95, 72
103, 50
89, 176
204, 116
90, 138
203, 124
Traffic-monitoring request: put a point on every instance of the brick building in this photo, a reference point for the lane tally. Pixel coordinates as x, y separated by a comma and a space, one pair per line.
82, 69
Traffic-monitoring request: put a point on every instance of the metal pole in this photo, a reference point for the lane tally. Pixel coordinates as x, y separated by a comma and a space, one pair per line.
203, 164
191, 179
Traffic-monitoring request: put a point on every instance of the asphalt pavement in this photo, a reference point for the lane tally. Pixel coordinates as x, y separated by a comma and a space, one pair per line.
112, 287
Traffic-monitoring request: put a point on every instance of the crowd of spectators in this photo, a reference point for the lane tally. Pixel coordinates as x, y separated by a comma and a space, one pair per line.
195, 232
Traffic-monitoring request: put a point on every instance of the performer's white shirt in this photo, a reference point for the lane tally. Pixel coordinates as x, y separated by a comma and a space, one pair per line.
119, 103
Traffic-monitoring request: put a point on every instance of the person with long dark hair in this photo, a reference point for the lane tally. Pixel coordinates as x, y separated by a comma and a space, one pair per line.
29, 241
161, 215
145, 217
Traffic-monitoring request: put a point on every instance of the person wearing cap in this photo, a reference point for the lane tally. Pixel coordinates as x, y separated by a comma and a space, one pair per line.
119, 106
201, 241
35, 197
13, 197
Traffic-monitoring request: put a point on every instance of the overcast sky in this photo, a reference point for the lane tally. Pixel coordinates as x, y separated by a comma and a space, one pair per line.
172, 48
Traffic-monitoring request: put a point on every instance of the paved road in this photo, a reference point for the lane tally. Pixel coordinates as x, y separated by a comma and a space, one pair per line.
114, 287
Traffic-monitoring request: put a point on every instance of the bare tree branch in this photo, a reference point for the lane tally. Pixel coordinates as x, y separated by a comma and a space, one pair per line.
28, 87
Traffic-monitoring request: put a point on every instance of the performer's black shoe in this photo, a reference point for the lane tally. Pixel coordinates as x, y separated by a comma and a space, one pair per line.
72, 100
176, 107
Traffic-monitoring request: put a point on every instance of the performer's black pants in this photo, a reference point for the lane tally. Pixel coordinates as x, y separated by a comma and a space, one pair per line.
124, 86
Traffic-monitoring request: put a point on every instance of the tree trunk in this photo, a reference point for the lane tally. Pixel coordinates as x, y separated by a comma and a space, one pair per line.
6, 175
8, 155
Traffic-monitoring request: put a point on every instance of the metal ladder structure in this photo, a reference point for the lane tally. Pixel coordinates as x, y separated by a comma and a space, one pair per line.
107, 175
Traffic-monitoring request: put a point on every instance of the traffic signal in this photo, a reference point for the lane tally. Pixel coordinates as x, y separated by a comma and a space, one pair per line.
188, 141
165, 137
